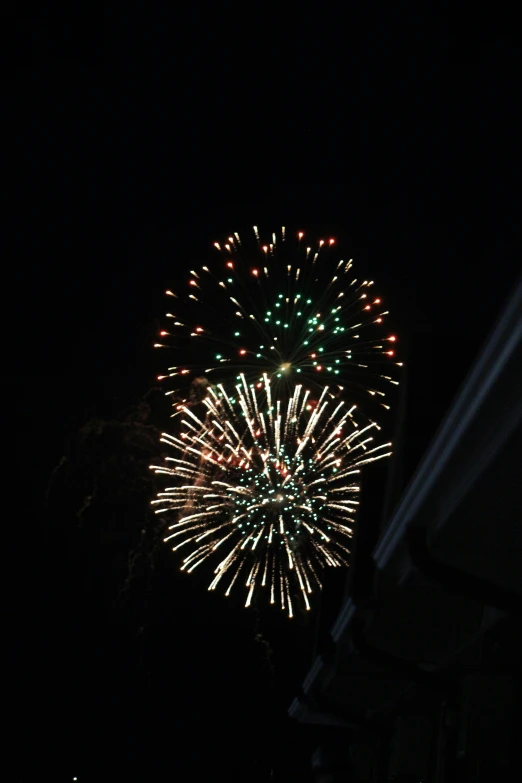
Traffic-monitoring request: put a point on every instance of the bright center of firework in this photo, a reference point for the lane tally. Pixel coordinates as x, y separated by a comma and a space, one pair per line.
280, 499
273, 503
286, 366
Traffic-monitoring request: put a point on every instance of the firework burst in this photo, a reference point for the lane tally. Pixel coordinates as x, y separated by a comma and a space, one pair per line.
287, 308
266, 490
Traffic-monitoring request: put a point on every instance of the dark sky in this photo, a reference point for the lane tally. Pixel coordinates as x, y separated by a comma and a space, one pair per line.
134, 147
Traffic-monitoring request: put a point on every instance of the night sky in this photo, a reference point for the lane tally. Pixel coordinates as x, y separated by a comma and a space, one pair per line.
134, 151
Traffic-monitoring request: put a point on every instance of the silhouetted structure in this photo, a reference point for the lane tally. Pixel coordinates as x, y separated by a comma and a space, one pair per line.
421, 678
